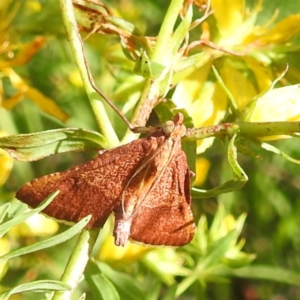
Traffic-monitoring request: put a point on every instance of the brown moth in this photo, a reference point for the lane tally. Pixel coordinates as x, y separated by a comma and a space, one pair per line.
146, 183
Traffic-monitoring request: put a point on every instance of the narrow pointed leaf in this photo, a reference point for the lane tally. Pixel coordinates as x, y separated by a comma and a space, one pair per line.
34, 146
275, 150
21, 217
47, 285
53, 241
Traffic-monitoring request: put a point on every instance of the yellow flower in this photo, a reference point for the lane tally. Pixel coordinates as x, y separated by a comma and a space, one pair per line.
280, 104
205, 101
6, 163
202, 167
245, 72
4, 248
241, 88
229, 16
118, 256
37, 225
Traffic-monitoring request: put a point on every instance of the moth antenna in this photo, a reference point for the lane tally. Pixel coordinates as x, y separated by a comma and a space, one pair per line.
139, 169
98, 91
161, 172
169, 127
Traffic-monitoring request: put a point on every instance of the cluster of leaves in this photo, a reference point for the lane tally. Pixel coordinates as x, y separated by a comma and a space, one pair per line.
249, 48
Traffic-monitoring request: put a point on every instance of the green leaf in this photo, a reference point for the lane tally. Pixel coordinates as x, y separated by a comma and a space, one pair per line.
146, 68
211, 259
100, 285
275, 150
126, 286
170, 293
215, 252
35, 286
179, 34
186, 67
15, 208
232, 158
227, 187
4, 210
267, 273
20, 217
53, 241
34, 146
154, 289
232, 101
230, 185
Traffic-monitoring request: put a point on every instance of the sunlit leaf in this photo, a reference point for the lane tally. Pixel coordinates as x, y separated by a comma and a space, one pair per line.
46, 285
50, 242
127, 288
275, 150
34, 146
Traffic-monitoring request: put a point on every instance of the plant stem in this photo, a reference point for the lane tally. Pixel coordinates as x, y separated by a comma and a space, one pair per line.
247, 129
166, 30
77, 263
150, 93
77, 49
226, 129
80, 255
262, 129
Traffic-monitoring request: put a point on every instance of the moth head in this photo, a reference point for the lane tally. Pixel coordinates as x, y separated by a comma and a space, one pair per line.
175, 128
168, 127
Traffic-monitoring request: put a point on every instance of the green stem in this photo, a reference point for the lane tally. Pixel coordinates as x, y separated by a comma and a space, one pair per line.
166, 31
77, 263
248, 129
262, 129
227, 129
77, 49
150, 93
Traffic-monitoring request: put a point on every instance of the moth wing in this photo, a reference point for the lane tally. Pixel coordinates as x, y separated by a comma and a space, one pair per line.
91, 188
165, 216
